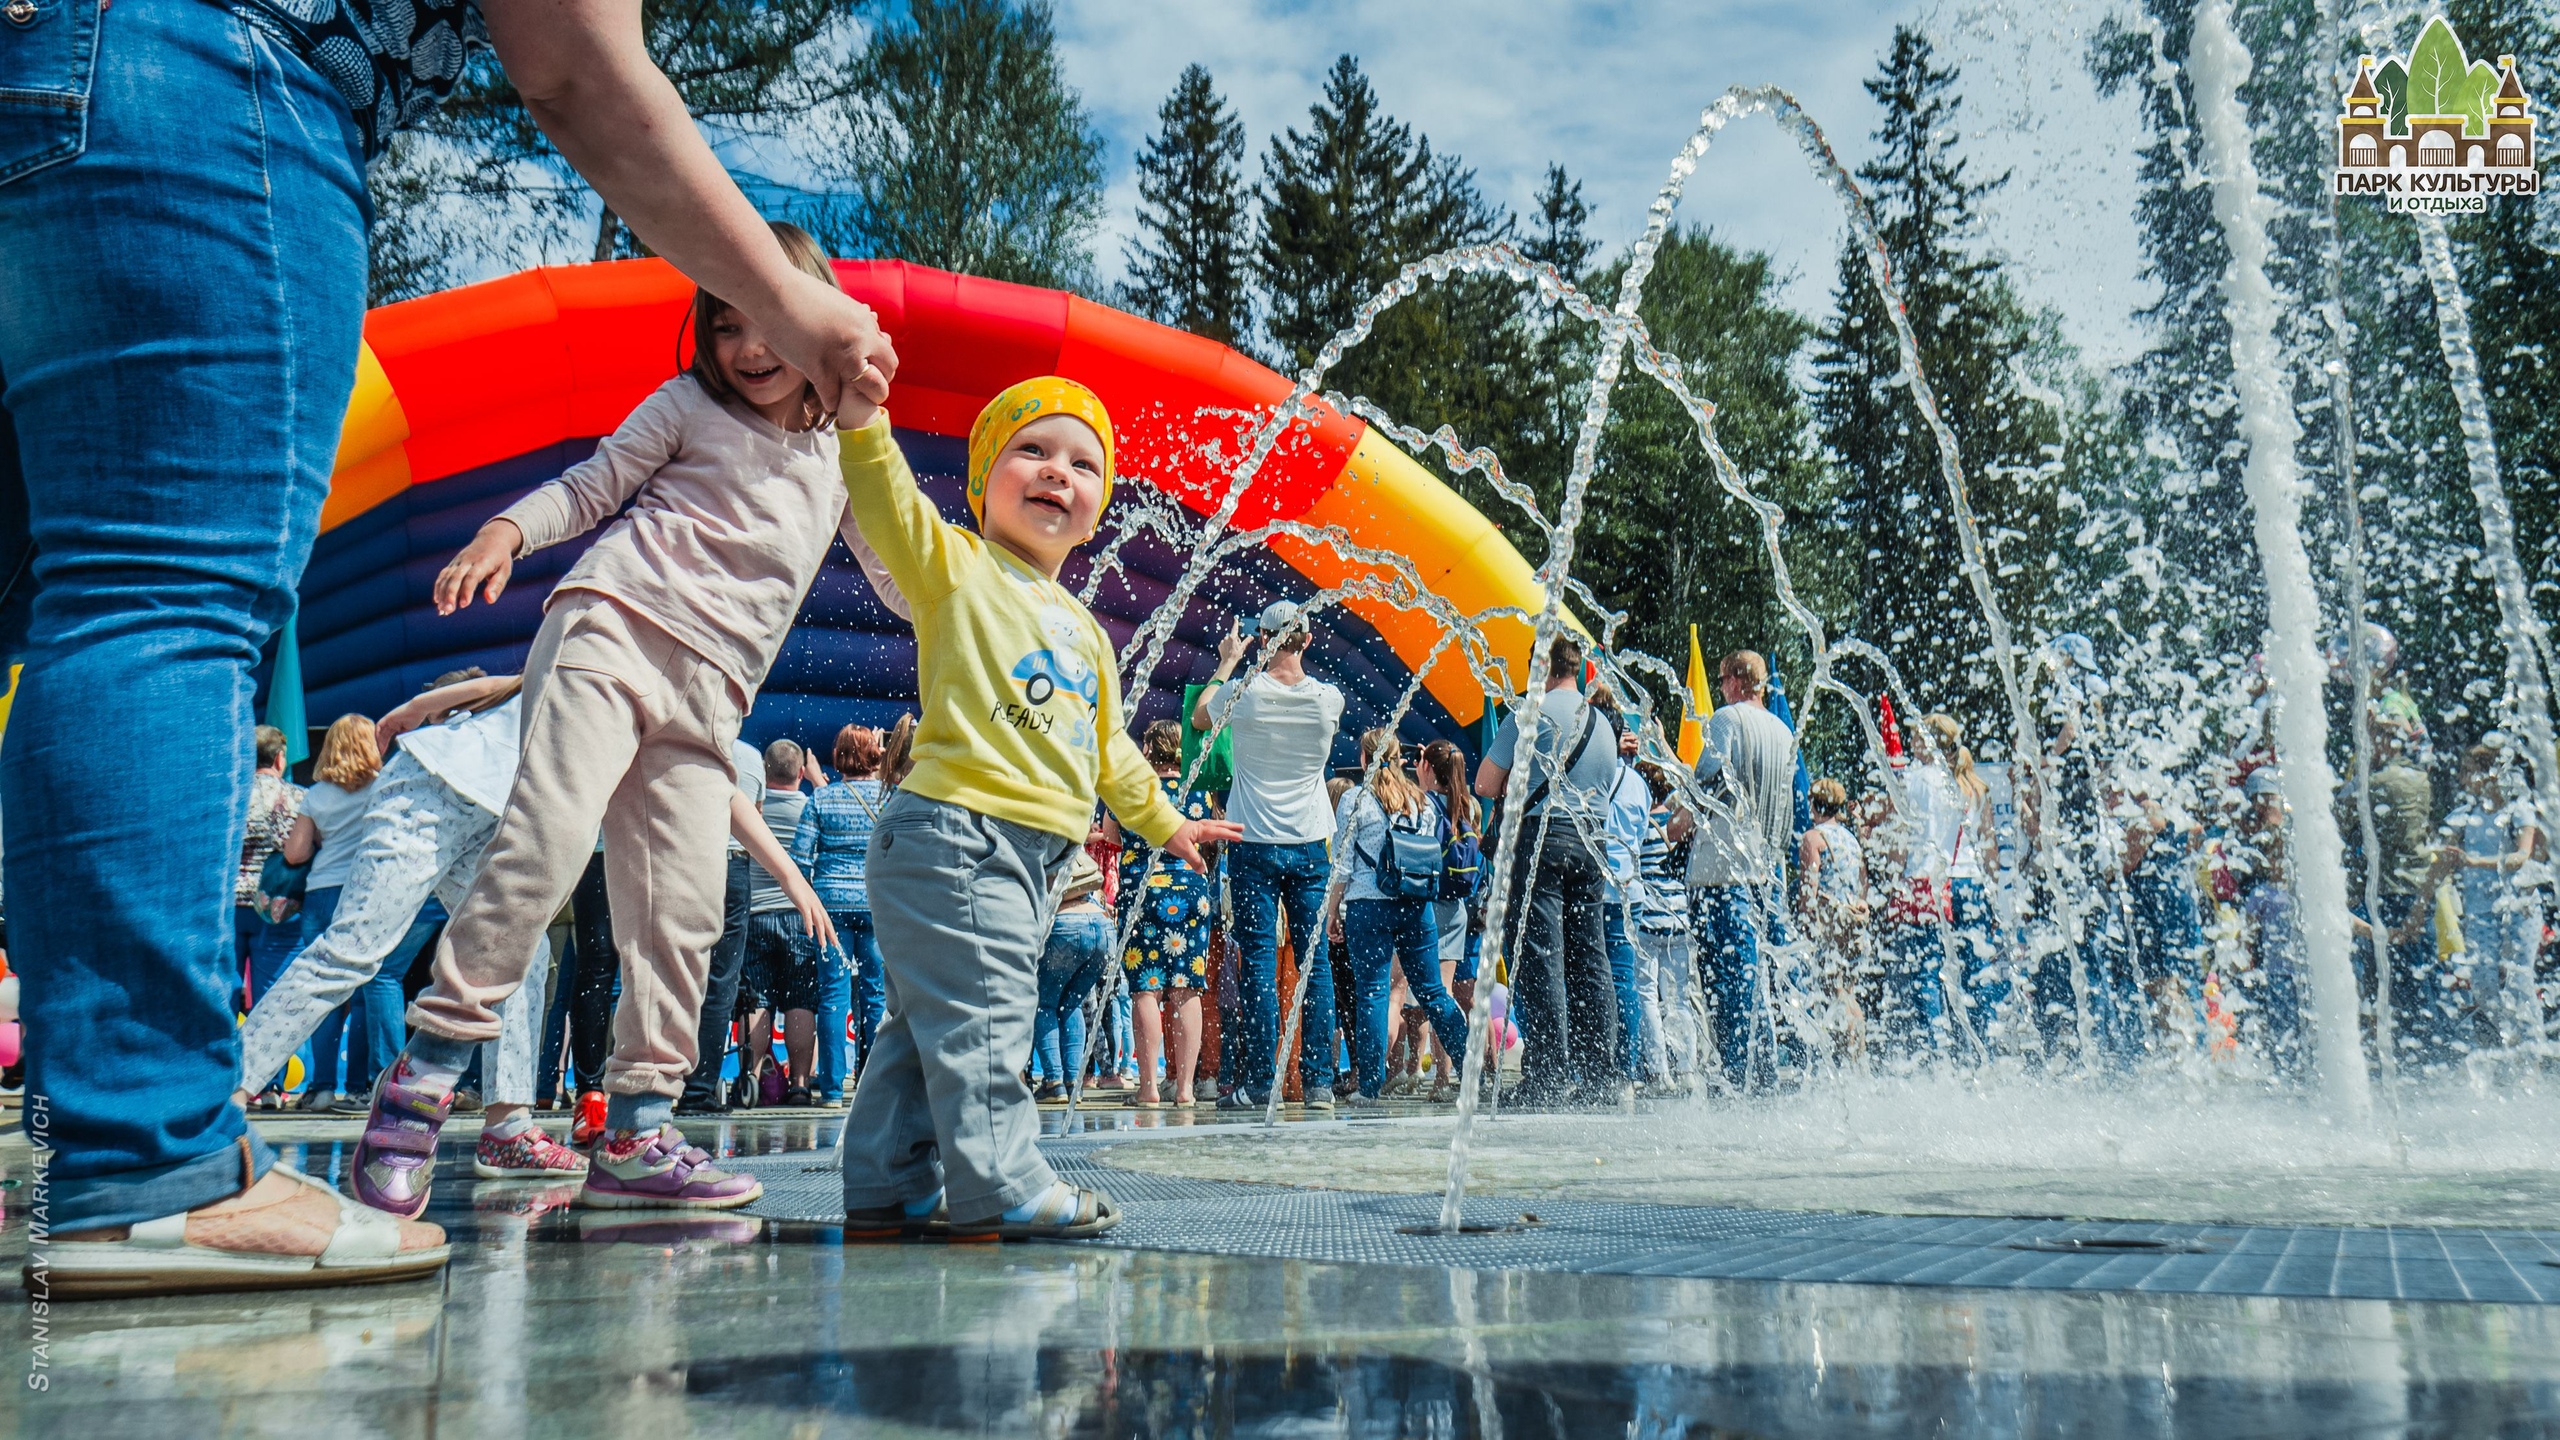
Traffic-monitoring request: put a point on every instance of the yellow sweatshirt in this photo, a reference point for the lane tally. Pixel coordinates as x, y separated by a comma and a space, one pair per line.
1020, 687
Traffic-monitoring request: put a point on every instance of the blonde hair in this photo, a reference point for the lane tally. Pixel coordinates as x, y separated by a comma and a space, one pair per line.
1947, 738
349, 757
1828, 797
1394, 790
804, 253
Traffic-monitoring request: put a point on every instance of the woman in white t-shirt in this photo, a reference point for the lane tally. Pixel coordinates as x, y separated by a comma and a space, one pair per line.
1943, 879
323, 836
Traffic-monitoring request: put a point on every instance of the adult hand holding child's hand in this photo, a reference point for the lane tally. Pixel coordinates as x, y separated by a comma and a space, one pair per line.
837, 342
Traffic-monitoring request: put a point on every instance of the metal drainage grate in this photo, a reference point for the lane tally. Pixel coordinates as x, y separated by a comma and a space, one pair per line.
2108, 1245
1475, 1227
1702, 1242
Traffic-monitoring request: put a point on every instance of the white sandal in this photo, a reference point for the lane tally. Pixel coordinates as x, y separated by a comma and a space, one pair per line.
156, 1258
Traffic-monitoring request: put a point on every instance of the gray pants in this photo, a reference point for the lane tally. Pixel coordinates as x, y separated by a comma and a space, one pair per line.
960, 906
1663, 980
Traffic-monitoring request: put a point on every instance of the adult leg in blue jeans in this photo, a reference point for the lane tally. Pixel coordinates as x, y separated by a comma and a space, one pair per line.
1985, 969
202, 261
1731, 923
1622, 978
1265, 881
265, 949
386, 1000
1915, 1001
870, 991
855, 957
1069, 968
1378, 933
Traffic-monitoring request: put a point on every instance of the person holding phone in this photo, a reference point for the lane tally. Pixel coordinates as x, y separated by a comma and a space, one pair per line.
1282, 726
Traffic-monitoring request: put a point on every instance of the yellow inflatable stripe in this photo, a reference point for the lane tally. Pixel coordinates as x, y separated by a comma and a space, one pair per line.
372, 464
1386, 501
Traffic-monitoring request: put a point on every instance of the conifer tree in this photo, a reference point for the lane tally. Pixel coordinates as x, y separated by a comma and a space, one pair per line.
1345, 203
1913, 599
751, 68
2179, 394
959, 144
2421, 528
1660, 538
1559, 235
1188, 265
2510, 258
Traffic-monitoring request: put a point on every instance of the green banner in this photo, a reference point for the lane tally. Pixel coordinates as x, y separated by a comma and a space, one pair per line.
1220, 773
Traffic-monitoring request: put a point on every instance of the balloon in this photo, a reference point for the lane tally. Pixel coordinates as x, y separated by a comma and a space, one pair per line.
293, 1073
9, 1043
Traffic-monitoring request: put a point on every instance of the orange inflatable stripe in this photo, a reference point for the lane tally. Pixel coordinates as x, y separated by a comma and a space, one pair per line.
1386, 501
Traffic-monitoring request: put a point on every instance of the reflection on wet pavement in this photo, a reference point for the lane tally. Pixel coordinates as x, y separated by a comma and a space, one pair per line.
556, 1321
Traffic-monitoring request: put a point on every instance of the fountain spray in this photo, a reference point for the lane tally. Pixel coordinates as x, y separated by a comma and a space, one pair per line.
2219, 63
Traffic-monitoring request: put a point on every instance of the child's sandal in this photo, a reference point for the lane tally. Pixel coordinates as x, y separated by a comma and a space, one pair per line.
879, 1224
1088, 1213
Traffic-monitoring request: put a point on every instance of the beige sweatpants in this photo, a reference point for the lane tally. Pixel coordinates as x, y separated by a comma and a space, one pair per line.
626, 725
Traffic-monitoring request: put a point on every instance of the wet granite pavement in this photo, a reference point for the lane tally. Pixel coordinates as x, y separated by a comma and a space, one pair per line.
553, 1321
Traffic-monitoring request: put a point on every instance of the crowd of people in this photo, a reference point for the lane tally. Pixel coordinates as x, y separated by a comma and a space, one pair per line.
1727, 925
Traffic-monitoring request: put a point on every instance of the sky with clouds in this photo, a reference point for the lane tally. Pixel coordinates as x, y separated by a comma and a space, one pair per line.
1611, 89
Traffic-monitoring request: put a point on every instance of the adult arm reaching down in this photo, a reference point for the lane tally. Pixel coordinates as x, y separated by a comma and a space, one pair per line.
747, 823
584, 72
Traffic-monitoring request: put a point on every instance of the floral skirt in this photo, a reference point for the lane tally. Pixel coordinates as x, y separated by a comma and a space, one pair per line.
1170, 946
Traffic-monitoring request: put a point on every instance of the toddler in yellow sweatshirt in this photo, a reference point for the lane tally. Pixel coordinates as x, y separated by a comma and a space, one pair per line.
1020, 730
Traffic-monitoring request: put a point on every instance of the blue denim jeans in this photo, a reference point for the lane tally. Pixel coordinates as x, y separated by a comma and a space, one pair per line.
2168, 938
186, 258
1986, 969
1079, 943
1730, 923
1264, 880
1622, 977
1377, 933
855, 999
344, 1029
1915, 990
264, 950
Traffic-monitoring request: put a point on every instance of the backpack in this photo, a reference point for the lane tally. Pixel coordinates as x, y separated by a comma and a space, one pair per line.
1408, 866
1461, 858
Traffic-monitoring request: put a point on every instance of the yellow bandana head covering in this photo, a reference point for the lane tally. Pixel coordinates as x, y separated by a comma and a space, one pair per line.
1019, 405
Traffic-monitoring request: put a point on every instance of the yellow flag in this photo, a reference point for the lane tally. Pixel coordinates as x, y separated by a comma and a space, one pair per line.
1693, 734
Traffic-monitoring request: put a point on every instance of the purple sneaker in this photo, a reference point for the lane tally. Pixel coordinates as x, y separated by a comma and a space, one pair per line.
395, 1162
656, 1170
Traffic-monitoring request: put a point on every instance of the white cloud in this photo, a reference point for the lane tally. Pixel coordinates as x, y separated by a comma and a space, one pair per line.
1612, 88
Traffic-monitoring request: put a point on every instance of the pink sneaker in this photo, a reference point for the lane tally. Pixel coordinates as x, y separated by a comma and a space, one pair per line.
395, 1161
530, 1154
656, 1170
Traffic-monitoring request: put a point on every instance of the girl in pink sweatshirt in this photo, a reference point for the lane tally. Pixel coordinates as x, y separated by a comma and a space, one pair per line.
650, 653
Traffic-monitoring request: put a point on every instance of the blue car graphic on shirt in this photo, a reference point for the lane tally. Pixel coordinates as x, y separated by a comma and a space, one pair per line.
1044, 673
